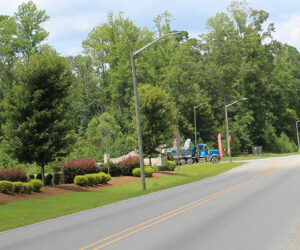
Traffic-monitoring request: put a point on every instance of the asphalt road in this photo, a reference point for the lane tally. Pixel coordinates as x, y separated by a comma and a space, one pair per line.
255, 206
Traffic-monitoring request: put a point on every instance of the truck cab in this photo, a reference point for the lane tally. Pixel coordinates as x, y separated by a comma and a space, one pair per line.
206, 154
190, 155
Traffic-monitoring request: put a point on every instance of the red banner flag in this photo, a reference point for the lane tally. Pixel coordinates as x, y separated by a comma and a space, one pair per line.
220, 146
175, 143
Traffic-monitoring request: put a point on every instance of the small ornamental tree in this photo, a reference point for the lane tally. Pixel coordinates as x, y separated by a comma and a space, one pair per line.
158, 115
39, 125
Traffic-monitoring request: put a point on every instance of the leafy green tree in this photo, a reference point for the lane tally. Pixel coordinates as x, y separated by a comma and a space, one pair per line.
109, 46
158, 116
88, 100
102, 132
39, 126
20, 36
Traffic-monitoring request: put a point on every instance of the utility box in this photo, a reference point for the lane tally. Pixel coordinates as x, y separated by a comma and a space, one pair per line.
257, 150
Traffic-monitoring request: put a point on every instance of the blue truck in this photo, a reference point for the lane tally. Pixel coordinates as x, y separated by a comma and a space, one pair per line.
190, 155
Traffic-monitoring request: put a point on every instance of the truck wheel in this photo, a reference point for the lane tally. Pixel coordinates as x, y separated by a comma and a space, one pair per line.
182, 161
215, 159
190, 161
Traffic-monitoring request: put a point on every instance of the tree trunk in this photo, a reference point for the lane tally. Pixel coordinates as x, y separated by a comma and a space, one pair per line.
43, 175
150, 163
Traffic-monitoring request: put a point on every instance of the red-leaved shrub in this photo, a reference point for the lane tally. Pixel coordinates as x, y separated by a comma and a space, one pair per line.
13, 174
77, 167
130, 163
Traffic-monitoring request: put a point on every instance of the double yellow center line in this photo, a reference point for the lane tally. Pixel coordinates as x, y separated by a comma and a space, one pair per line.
152, 222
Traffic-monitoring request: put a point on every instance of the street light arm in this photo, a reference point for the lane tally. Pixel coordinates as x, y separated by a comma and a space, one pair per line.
200, 105
149, 44
228, 105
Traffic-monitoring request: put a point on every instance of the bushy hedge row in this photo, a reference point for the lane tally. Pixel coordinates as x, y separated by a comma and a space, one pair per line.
20, 187
148, 172
13, 174
73, 168
91, 179
168, 166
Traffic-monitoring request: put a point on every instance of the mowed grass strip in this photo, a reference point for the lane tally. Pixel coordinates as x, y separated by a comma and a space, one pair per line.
21, 213
251, 157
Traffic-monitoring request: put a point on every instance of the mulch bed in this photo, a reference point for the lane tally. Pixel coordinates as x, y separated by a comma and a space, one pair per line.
68, 188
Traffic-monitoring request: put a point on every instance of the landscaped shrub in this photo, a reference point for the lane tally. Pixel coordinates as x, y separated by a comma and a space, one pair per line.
18, 187
73, 168
115, 168
98, 178
171, 163
166, 167
136, 172
13, 174
81, 180
38, 176
56, 178
130, 163
27, 187
6, 186
36, 184
92, 180
148, 172
48, 179
104, 178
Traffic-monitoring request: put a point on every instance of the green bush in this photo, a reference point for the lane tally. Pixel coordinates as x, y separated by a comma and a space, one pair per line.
149, 171
285, 145
6, 186
18, 187
104, 177
171, 163
136, 172
98, 179
115, 168
107, 178
56, 178
48, 179
81, 180
92, 180
27, 187
166, 167
36, 184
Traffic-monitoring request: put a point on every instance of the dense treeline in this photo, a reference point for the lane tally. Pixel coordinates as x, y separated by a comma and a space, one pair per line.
237, 57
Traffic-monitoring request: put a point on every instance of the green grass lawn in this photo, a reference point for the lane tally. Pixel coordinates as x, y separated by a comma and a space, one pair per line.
21, 213
251, 157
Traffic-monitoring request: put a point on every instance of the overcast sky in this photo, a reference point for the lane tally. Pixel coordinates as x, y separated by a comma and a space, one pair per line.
72, 20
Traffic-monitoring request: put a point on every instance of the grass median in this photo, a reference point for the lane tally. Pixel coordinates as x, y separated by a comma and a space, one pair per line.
253, 157
21, 213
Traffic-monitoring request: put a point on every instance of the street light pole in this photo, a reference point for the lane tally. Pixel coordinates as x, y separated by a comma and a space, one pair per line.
137, 109
138, 122
227, 128
298, 135
227, 134
195, 123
